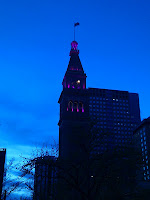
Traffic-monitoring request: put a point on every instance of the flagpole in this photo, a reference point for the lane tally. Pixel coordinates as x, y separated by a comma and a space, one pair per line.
75, 24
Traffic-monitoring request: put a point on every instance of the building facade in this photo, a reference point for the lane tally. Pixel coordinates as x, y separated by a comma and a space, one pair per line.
45, 178
115, 114
2, 163
142, 143
92, 121
74, 110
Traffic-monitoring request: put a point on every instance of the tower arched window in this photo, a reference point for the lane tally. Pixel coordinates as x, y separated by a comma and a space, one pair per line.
81, 108
70, 106
76, 109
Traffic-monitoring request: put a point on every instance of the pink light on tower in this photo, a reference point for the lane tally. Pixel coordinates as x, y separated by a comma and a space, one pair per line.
74, 48
74, 45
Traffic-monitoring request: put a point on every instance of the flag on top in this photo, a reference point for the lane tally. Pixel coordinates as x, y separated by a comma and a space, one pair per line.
76, 24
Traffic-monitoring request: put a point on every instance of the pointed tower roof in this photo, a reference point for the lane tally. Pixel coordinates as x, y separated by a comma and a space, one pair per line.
74, 76
74, 63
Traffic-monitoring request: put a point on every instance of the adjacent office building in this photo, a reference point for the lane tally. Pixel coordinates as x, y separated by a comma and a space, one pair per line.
115, 114
2, 162
45, 178
142, 142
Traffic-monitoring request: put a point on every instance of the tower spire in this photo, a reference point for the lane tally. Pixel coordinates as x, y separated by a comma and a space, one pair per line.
75, 77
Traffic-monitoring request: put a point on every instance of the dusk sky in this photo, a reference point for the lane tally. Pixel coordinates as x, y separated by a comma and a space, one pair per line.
35, 37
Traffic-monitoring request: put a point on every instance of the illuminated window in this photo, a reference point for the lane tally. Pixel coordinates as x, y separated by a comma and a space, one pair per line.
81, 108
70, 106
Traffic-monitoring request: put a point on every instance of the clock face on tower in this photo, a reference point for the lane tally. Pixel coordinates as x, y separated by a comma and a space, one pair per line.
76, 84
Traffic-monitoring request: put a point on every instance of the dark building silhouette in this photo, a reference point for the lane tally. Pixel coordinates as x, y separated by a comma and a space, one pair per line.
92, 121
142, 143
115, 113
45, 178
2, 162
74, 110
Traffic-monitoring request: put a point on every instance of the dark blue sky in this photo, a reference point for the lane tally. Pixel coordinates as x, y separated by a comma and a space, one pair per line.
35, 37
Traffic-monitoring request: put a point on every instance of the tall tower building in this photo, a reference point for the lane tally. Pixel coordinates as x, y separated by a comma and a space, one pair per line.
114, 115
74, 110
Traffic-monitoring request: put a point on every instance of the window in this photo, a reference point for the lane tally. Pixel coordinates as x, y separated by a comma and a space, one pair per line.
70, 106
81, 108
76, 107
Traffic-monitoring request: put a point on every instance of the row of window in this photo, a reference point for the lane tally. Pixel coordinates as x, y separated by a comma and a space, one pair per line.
101, 102
118, 120
75, 106
121, 116
102, 98
120, 108
122, 132
143, 135
122, 128
96, 103
103, 110
115, 120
